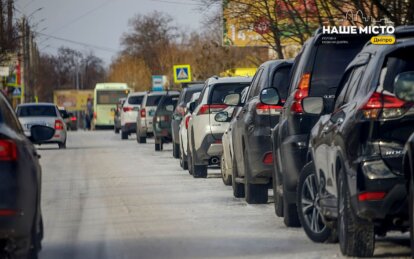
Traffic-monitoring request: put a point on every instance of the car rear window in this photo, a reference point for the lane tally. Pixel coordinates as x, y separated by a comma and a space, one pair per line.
220, 91
64, 114
168, 100
136, 100
281, 80
153, 100
189, 93
110, 97
398, 62
330, 63
36, 111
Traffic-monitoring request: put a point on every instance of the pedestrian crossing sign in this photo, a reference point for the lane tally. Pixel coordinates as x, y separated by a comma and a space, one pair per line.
182, 74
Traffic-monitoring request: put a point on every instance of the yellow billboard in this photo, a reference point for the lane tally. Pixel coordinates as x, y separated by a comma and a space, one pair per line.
241, 71
72, 100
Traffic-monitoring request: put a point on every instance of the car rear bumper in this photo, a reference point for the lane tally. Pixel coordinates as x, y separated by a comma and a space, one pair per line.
211, 146
259, 146
129, 128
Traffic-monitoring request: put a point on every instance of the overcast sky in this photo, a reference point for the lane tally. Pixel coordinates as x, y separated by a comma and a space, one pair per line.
100, 22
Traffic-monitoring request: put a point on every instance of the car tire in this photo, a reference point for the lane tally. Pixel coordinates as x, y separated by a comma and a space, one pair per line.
124, 135
176, 150
116, 130
356, 236
290, 212
254, 193
411, 213
183, 160
200, 171
238, 188
224, 175
62, 145
278, 199
311, 219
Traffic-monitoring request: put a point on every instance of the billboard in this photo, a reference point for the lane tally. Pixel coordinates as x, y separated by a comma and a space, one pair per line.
72, 100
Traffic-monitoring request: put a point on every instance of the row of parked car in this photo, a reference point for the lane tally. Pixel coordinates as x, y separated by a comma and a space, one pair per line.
330, 132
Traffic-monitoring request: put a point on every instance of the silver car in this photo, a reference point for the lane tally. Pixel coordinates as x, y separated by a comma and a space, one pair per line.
46, 114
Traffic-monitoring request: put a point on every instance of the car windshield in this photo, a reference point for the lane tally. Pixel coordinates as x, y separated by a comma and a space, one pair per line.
135, 100
36, 111
153, 100
110, 97
220, 91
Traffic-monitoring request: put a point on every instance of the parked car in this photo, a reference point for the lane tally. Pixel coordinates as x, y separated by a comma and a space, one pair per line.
129, 113
187, 92
162, 119
252, 161
353, 183
182, 133
204, 132
117, 115
315, 75
226, 162
69, 118
145, 117
21, 224
46, 114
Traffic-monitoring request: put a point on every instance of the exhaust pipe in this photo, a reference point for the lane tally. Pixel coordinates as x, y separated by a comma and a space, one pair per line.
214, 160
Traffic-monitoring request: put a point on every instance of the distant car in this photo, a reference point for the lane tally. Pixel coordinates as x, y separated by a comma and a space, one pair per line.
21, 224
145, 117
45, 114
129, 113
162, 119
117, 115
69, 118
187, 92
204, 132
182, 133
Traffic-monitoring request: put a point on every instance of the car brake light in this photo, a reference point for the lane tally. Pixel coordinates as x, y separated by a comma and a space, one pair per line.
301, 93
127, 109
268, 158
58, 125
8, 150
7, 212
264, 109
143, 113
391, 107
371, 196
211, 108
73, 118
187, 120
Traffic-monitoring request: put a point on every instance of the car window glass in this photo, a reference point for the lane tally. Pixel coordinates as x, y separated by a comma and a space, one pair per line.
135, 100
297, 67
189, 93
220, 91
255, 84
200, 99
342, 88
354, 83
8, 116
399, 62
153, 100
36, 111
281, 81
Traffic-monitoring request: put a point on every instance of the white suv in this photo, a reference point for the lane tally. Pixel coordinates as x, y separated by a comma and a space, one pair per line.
129, 113
204, 132
144, 122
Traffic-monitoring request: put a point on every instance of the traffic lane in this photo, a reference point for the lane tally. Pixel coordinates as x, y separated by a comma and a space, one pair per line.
107, 198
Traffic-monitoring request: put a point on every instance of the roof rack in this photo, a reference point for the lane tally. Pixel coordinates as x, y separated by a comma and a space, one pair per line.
404, 31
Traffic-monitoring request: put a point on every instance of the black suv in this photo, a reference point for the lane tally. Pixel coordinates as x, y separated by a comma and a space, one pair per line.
21, 225
317, 71
354, 181
252, 148
188, 90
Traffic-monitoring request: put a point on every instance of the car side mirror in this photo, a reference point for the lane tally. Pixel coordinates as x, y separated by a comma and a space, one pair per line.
313, 105
40, 133
222, 117
191, 106
232, 99
404, 86
270, 96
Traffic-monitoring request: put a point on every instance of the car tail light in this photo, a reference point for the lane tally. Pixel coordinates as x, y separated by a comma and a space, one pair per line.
218, 141
187, 120
143, 113
371, 196
7, 212
264, 109
268, 158
73, 118
8, 150
58, 125
127, 109
387, 106
301, 93
163, 118
211, 108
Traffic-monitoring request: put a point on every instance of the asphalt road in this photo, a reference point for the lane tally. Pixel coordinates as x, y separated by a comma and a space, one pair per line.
107, 198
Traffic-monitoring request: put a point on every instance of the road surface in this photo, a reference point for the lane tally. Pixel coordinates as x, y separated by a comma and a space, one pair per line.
108, 198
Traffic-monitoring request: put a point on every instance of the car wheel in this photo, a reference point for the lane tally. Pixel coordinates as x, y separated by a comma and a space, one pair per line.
200, 171
116, 129
224, 174
290, 211
183, 159
309, 211
190, 162
254, 193
356, 236
277, 197
176, 150
124, 135
412, 214
62, 145
238, 188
